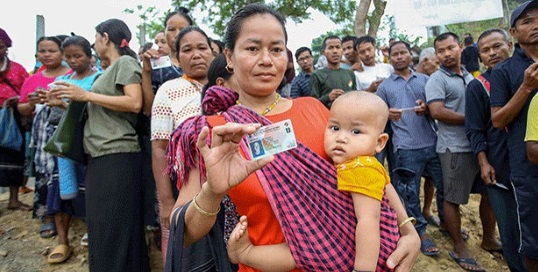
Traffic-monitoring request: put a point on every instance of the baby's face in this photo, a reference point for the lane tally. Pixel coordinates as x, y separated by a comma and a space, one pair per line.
352, 131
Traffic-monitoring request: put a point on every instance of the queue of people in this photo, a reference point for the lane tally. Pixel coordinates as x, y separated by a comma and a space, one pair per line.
170, 126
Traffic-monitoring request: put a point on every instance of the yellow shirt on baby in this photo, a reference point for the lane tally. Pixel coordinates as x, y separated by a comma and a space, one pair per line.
364, 175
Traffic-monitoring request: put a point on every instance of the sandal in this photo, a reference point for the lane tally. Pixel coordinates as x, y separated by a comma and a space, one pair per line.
59, 254
25, 189
433, 220
466, 263
491, 250
20, 207
47, 230
426, 245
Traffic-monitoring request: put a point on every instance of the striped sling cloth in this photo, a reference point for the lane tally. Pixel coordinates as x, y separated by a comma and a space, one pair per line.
317, 220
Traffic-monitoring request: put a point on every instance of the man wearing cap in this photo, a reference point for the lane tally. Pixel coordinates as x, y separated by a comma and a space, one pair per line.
514, 83
489, 145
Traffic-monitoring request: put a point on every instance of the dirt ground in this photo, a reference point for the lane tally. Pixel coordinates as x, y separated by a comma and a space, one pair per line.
25, 250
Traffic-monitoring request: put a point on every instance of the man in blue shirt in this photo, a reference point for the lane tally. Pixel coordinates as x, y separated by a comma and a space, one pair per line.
300, 85
514, 83
489, 144
414, 138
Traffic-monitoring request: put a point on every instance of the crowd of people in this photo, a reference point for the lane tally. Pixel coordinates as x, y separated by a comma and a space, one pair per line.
166, 130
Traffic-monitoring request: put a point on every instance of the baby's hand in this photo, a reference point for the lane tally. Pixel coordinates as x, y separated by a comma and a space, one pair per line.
239, 245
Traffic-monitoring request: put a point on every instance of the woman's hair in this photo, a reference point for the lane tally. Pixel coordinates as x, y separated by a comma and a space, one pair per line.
216, 69
80, 41
184, 32
119, 34
147, 46
181, 11
62, 37
219, 44
233, 28
54, 39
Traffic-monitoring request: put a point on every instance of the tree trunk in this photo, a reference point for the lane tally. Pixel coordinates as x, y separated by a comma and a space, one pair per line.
360, 17
375, 19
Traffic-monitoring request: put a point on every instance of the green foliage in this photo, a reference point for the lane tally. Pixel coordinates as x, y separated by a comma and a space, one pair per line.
216, 13
475, 28
151, 17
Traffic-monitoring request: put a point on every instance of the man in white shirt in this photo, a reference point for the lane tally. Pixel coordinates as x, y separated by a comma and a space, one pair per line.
373, 73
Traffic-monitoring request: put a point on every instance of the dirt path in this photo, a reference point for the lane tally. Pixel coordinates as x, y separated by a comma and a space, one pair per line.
25, 250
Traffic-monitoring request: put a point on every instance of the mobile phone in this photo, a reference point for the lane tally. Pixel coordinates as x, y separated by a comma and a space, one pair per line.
413, 109
52, 86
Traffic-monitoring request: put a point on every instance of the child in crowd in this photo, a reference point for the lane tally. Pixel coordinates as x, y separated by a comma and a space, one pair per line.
354, 134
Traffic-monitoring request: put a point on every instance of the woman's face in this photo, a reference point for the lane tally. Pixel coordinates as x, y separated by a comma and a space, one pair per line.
259, 58
3, 49
99, 45
174, 24
216, 49
195, 55
76, 58
48, 52
160, 41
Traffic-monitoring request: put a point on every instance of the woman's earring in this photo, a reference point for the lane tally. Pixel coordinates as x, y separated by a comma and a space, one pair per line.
228, 69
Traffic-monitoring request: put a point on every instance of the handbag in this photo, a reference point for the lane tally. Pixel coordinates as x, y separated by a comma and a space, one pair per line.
206, 255
67, 139
10, 135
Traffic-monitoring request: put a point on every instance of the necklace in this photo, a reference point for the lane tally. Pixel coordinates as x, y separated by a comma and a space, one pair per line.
268, 109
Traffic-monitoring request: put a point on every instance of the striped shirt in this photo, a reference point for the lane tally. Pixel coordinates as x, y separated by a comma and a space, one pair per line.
412, 131
300, 85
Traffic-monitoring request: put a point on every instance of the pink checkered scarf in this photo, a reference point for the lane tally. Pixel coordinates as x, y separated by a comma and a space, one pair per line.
317, 220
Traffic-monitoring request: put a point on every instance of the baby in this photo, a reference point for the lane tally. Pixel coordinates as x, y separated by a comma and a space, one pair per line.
353, 136
355, 133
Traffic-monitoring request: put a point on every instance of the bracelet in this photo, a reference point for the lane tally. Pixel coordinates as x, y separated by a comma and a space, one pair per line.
409, 219
200, 210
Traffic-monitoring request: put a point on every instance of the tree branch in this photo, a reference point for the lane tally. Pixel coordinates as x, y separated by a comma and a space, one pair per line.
375, 19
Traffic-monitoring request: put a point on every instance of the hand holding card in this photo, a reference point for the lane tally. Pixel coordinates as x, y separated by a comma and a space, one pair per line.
271, 139
412, 109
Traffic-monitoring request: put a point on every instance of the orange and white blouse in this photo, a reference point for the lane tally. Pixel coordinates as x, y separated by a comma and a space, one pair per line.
175, 101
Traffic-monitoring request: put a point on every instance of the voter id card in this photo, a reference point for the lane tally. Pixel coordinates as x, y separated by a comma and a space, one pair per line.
412, 109
271, 139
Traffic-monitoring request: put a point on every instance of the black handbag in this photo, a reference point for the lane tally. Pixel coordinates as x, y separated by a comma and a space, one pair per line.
206, 255
67, 139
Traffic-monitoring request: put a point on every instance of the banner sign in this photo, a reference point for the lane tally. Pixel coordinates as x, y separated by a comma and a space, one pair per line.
443, 12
